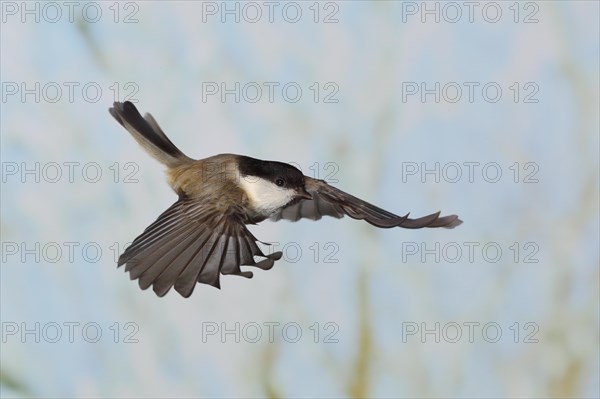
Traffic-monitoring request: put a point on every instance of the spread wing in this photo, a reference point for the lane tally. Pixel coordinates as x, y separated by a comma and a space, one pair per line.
191, 242
329, 201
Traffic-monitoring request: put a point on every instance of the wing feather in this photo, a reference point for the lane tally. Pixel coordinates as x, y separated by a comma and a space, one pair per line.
330, 201
191, 242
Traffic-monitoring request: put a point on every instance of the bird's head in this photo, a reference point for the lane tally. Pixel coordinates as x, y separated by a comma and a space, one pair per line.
271, 185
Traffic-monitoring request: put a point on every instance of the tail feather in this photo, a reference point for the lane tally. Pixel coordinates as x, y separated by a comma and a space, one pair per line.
147, 132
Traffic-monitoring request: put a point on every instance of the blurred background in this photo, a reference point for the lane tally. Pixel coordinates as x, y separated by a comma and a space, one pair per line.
488, 110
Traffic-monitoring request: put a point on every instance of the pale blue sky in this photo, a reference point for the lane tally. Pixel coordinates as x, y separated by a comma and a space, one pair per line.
370, 55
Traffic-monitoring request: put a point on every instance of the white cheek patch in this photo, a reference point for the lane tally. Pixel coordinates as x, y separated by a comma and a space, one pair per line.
265, 196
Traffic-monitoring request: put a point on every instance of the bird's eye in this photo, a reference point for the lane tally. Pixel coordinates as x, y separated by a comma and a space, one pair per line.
279, 182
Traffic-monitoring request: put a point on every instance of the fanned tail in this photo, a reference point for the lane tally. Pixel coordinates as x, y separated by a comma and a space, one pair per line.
148, 134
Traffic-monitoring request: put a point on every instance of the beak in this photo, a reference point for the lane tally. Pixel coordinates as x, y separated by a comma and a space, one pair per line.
302, 193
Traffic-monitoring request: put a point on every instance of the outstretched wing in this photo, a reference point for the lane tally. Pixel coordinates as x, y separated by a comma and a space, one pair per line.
190, 243
329, 201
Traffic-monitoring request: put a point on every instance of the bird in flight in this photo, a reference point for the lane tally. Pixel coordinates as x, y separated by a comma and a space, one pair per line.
204, 234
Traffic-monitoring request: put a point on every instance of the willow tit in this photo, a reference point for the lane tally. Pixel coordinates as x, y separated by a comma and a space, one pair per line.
204, 233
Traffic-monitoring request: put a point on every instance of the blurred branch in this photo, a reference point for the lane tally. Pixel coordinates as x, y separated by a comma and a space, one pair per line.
266, 372
359, 382
83, 28
14, 384
568, 383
